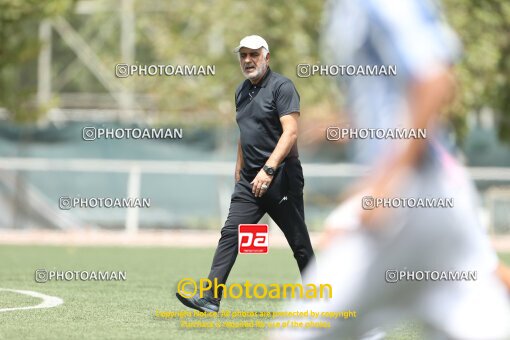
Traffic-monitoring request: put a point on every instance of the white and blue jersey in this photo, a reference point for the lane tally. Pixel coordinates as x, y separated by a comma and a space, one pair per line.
411, 35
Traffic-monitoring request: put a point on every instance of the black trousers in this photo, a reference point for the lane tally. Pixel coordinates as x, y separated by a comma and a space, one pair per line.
283, 201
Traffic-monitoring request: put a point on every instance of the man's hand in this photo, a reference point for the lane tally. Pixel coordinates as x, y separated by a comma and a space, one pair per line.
285, 143
261, 183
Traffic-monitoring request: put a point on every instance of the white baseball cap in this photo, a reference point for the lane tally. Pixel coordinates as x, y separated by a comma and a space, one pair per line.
252, 41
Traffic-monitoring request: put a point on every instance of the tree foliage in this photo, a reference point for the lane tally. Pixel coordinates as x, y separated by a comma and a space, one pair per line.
484, 71
205, 32
19, 48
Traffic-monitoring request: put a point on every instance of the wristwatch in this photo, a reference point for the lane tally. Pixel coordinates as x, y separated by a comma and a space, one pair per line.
269, 170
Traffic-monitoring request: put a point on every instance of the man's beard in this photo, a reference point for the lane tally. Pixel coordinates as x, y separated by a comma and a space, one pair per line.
259, 71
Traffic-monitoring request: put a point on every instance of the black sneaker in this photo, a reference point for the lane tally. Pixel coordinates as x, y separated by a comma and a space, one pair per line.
198, 303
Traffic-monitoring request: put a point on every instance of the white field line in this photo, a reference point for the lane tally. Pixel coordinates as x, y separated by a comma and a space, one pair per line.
48, 301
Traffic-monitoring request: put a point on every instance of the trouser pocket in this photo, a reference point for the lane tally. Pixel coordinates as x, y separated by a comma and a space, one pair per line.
295, 179
279, 186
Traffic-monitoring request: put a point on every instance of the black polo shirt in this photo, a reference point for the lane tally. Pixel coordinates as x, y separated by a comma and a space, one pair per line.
259, 108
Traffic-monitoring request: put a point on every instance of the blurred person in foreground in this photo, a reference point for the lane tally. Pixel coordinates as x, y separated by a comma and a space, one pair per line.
364, 249
268, 175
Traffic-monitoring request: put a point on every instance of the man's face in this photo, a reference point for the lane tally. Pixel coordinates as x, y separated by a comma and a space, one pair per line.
253, 64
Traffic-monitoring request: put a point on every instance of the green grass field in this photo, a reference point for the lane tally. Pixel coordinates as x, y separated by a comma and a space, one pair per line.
126, 310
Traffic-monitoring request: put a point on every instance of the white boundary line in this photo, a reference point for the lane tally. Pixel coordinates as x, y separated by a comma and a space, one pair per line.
48, 301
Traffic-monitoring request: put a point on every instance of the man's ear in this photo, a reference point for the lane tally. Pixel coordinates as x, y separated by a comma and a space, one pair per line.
267, 56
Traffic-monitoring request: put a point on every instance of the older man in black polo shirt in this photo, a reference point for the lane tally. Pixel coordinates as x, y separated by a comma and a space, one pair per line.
268, 175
